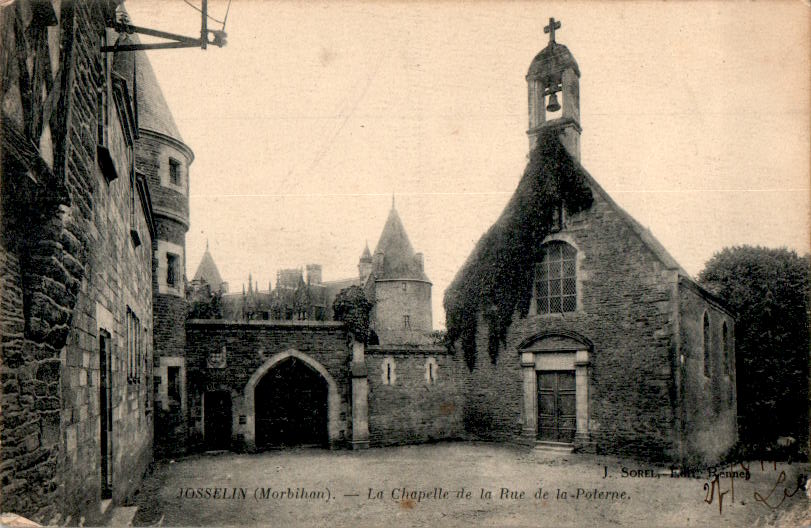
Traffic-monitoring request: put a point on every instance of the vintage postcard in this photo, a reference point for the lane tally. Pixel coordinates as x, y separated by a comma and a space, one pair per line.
276, 263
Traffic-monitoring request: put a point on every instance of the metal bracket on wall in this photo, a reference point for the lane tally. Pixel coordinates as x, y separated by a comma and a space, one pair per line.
215, 37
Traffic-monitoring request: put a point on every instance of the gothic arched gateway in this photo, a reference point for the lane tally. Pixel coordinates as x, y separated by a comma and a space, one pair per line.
291, 406
291, 400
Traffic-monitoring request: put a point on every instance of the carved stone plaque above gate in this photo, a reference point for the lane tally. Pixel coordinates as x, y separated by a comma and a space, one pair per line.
217, 360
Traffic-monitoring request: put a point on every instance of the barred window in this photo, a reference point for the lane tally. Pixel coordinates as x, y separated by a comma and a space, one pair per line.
706, 345
557, 279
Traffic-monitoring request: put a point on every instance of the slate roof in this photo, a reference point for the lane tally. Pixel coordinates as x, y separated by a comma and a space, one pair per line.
399, 259
153, 111
207, 270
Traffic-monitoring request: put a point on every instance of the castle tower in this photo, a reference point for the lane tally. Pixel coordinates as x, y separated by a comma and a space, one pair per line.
365, 264
554, 75
402, 291
163, 159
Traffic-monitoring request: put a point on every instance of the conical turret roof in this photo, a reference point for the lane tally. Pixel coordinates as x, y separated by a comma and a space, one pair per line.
207, 270
366, 255
153, 111
399, 260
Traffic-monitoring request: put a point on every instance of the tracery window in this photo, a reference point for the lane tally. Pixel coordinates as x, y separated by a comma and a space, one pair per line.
556, 279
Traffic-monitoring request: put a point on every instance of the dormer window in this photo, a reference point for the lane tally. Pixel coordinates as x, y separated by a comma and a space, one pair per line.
174, 172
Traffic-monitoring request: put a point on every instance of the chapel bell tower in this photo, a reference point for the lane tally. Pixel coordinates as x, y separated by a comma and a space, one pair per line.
553, 81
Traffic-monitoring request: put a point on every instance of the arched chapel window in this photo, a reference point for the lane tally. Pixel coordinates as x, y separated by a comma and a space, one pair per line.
706, 345
557, 279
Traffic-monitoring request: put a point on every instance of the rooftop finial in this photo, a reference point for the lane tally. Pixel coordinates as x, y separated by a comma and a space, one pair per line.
392, 200
553, 25
206, 243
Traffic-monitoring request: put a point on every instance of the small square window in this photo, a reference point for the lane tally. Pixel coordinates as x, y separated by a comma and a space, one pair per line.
174, 171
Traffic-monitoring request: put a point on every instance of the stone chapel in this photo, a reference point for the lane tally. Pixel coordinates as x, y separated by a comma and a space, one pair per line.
598, 339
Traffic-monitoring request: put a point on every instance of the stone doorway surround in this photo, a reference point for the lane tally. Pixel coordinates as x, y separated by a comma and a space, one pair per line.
248, 429
550, 351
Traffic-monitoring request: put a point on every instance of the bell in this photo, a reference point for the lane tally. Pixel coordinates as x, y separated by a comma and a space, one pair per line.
553, 105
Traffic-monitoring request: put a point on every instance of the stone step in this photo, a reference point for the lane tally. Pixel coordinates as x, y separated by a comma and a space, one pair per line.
557, 447
16, 521
122, 516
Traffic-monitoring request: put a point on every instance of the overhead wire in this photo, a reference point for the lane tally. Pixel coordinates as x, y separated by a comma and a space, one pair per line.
218, 21
225, 19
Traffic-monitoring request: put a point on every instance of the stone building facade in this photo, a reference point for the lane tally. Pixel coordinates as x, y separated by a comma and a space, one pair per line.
620, 350
77, 235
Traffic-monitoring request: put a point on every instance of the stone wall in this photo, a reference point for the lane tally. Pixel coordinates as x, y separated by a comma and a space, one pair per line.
250, 346
494, 396
153, 153
69, 268
626, 307
710, 402
396, 298
408, 404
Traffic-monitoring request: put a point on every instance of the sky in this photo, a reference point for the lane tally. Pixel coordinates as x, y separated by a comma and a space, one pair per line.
695, 119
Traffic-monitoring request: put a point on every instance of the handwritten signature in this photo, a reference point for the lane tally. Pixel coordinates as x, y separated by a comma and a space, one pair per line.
713, 491
713, 488
781, 478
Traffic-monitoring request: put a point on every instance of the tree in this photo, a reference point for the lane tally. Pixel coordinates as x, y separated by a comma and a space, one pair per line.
769, 291
206, 307
353, 308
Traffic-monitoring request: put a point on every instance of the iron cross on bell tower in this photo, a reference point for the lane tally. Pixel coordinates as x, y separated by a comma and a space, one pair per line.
553, 25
